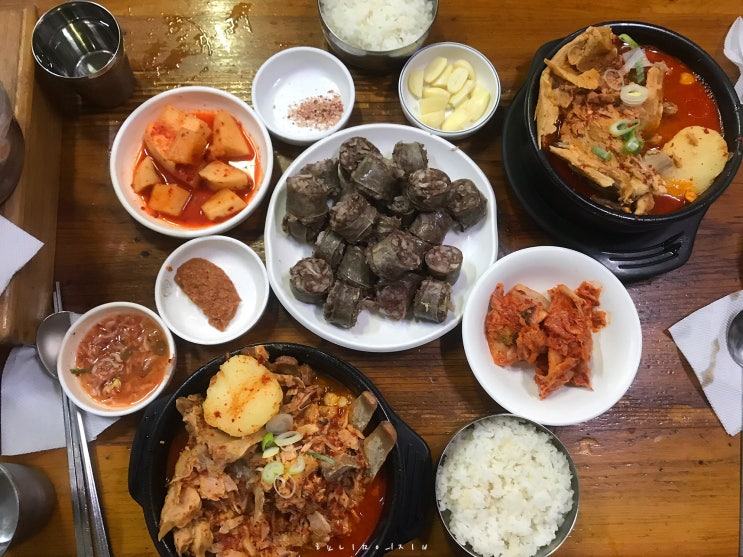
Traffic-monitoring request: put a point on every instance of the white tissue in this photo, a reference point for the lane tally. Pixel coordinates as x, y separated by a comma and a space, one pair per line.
17, 247
733, 50
702, 338
31, 416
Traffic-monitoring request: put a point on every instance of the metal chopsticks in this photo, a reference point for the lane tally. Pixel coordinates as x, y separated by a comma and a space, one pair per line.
90, 529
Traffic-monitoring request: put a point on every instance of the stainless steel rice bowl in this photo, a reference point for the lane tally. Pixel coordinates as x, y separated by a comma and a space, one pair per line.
491, 513
381, 59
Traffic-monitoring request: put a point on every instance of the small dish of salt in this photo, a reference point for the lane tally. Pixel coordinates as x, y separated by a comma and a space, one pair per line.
303, 94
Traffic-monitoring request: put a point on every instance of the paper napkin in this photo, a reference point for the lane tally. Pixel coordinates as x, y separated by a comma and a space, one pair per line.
702, 338
733, 50
16, 249
31, 416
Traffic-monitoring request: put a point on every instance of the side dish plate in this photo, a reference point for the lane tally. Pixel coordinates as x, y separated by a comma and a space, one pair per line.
374, 333
617, 348
244, 268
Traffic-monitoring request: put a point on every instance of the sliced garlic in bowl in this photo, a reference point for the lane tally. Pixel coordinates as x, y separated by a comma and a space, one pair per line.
449, 89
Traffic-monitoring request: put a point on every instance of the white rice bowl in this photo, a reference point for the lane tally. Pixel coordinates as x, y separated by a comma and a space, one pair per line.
504, 488
380, 25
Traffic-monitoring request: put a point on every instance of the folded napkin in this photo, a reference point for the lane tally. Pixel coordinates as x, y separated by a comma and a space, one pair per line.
702, 338
16, 249
31, 417
733, 50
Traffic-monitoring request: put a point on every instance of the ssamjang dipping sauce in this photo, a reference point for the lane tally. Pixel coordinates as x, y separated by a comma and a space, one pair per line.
122, 359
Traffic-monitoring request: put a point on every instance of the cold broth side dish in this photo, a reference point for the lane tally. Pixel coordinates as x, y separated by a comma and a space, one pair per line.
627, 125
278, 463
122, 359
554, 333
196, 168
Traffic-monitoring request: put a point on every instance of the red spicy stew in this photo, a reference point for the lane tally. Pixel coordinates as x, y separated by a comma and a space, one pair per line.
696, 107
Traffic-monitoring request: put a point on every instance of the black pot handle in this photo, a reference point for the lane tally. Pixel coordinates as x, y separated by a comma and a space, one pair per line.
416, 490
144, 431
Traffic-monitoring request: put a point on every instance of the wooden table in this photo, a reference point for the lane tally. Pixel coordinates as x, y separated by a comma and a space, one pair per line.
659, 475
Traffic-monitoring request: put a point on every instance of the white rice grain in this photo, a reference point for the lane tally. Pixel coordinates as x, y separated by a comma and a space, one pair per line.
507, 487
378, 25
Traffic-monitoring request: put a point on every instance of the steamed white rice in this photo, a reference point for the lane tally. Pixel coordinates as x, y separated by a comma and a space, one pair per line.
378, 25
507, 487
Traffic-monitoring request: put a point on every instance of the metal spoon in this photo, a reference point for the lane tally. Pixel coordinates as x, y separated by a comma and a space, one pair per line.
90, 529
49, 337
735, 347
735, 339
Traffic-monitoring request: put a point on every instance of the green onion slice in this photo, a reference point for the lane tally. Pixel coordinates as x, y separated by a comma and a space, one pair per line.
601, 153
270, 452
322, 457
640, 71
298, 465
287, 438
79, 370
633, 94
624, 126
633, 144
267, 441
624, 37
271, 471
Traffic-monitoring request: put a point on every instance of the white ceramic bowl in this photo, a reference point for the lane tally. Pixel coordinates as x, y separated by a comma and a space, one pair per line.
127, 147
244, 268
68, 355
372, 332
617, 348
300, 75
485, 74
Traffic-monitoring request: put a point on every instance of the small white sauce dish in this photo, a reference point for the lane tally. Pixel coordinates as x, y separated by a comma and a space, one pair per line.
68, 351
485, 75
244, 268
127, 148
300, 75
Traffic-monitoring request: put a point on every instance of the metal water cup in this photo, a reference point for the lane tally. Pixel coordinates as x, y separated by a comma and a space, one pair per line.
79, 44
26, 501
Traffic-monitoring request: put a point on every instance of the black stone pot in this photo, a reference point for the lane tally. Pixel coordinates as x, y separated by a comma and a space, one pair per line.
408, 466
581, 209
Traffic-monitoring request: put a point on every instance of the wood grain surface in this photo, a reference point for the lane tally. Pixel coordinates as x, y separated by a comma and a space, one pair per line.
659, 475
33, 204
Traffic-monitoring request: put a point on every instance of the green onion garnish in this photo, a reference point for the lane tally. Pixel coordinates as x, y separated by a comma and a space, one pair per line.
624, 126
79, 370
271, 471
601, 153
640, 71
267, 441
323, 457
633, 144
629, 40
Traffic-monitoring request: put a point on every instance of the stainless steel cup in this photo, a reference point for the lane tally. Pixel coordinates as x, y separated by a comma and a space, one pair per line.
79, 44
26, 501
